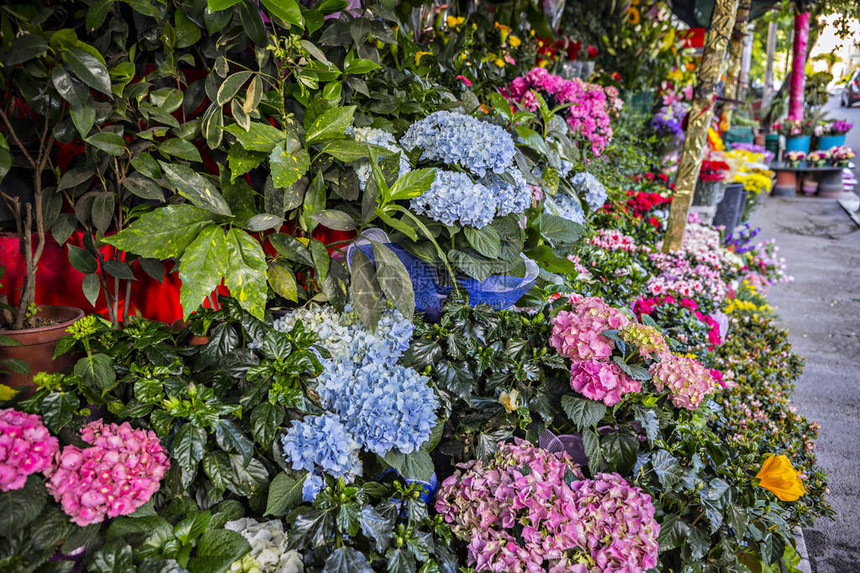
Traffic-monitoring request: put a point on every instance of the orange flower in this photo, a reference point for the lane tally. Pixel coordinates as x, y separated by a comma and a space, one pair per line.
633, 16
779, 476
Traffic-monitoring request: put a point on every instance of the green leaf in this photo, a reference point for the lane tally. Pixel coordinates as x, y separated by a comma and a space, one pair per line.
216, 465
619, 451
347, 150
314, 200
241, 161
418, 465
187, 34
82, 260
260, 137
456, 378
81, 105
286, 10
365, 289
143, 187
347, 560
583, 413
110, 143
559, 230
330, 125
97, 372
288, 166
353, 65
57, 410
285, 494
192, 526
114, 557
376, 527
146, 164
667, 468
291, 249
248, 480
231, 86
263, 222
283, 282
88, 69
334, 219
180, 148
246, 271
25, 48
217, 550
394, 279
162, 233
231, 439
189, 446
673, 533
485, 240
218, 5
19, 507
412, 184
591, 445
196, 188
119, 270
202, 267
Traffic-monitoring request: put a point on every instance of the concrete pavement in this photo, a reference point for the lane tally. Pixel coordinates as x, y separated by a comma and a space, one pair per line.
822, 312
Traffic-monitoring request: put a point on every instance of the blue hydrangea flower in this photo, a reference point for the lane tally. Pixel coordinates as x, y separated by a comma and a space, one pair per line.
322, 442
455, 198
565, 206
593, 190
510, 198
383, 139
460, 139
313, 485
383, 406
565, 168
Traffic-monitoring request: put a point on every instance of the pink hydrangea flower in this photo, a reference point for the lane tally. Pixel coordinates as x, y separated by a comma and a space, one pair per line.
603, 381
528, 510
576, 334
26, 447
687, 380
117, 475
648, 340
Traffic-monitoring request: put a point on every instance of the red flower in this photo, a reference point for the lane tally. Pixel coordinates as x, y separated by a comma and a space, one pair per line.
592, 52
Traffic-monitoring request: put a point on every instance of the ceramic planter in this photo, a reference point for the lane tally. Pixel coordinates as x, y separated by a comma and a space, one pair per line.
797, 143
708, 193
731, 207
827, 141
786, 183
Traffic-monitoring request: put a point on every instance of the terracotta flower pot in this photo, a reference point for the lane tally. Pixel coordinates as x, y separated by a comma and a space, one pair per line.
38, 344
194, 340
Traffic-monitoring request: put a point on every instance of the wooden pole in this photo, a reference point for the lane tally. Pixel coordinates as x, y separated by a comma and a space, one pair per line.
798, 66
699, 119
768, 68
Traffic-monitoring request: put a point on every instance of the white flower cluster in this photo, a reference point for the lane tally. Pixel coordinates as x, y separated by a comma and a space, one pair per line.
269, 544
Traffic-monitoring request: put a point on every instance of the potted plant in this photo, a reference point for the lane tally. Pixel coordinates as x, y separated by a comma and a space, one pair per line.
797, 133
832, 133
841, 156
794, 158
818, 158
49, 83
709, 187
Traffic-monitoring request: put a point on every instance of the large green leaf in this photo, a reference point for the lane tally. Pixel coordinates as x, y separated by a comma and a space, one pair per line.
25, 48
560, 230
88, 69
412, 184
485, 240
231, 85
347, 560
202, 267
82, 107
288, 166
283, 282
231, 439
330, 125
97, 372
189, 445
180, 148
285, 494
110, 143
19, 507
286, 10
163, 233
394, 279
196, 188
667, 468
366, 292
259, 137
246, 271
583, 413
217, 550
417, 466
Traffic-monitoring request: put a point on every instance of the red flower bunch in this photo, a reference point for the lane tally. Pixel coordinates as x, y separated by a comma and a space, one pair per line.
713, 170
647, 306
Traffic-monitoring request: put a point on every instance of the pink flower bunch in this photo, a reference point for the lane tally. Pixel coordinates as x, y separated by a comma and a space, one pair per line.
601, 380
687, 380
589, 116
680, 276
26, 447
114, 477
560, 527
611, 240
576, 333
647, 339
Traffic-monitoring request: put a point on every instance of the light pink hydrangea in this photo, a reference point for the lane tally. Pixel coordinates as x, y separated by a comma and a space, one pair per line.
528, 510
576, 334
687, 380
603, 381
26, 447
117, 475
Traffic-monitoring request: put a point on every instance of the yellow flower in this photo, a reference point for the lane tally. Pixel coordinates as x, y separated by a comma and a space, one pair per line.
509, 400
499, 62
514, 41
779, 476
453, 21
7, 393
419, 55
503, 31
676, 75
715, 140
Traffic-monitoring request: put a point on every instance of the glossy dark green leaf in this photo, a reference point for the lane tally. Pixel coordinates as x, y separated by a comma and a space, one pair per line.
82, 260
104, 204
25, 48
97, 12
115, 557
246, 271
110, 143
240, 161
189, 445
82, 107
180, 148
216, 465
218, 5
248, 480
187, 33
335, 219
285, 494
394, 279
217, 550
584, 413
88, 69
330, 125
485, 240
286, 10
192, 526
347, 560
291, 249
118, 269
143, 187
162, 233
418, 465
19, 507
619, 451
203, 265
315, 200
231, 439
196, 188
288, 166
230, 86
366, 293
252, 22
376, 527
560, 230
96, 372
667, 468
58, 408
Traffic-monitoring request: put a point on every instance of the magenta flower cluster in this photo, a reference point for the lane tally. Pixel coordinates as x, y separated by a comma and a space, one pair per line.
602, 380
687, 380
115, 476
611, 240
588, 117
529, 510
26, 447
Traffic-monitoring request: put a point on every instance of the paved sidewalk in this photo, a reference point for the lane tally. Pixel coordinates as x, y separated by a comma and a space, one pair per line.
822, 311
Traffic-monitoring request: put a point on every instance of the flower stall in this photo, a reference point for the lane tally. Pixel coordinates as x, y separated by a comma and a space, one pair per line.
428, 321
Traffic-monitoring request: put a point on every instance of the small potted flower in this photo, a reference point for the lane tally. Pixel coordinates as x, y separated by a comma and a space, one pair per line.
794, 158
797, 134
832, 133
818, 158
841, 156
709, 187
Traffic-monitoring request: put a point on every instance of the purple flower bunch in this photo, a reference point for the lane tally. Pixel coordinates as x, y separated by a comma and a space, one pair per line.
742, 240
26, 447
687, 380
840, 127
578, 334
588, 117
668, 121
531, 510
118, 474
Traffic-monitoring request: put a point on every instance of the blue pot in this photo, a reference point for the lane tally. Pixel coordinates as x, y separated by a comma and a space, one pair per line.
797, 143
825, 142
